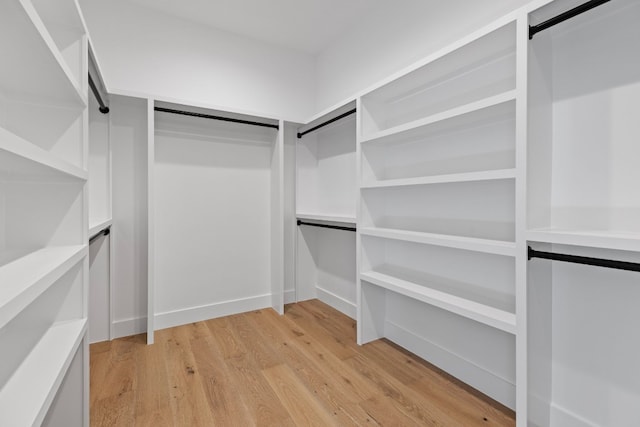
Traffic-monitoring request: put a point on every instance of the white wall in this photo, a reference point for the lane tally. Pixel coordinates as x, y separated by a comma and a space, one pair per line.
212, 214
128, 133
148, 52
393, 36
144, 51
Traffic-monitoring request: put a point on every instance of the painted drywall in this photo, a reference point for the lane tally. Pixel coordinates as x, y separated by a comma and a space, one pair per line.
145, 51
128, 133
394, 35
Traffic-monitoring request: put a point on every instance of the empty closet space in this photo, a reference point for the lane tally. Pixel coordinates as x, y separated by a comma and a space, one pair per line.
216, 213
326, 195
583, 201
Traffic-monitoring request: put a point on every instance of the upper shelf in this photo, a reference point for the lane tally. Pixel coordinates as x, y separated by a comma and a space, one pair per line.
454, 118
33, 68
444, 179
20, 159
625, 241
482, 68
27, 277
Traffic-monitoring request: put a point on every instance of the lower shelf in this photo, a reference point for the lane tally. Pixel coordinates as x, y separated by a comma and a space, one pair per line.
27, 396
485, 314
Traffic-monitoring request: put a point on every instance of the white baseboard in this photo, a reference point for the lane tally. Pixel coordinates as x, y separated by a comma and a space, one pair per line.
561, 417
466, 371
342, 305
290, 296
210, 311
128, 327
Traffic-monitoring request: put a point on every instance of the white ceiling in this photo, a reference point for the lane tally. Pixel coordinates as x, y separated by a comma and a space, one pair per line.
305, 25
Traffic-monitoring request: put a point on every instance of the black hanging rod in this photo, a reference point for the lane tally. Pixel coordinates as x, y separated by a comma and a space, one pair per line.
209, 116
598, 262
104, 232
328, 122
334, 227
104, 109
534, 29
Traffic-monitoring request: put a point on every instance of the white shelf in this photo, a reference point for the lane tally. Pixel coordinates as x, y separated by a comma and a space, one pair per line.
445, 179
26, 278
27, 396
98, 226
32, 64
485, 103
349, 220
618, 240
496, 247
491, 316
19, 158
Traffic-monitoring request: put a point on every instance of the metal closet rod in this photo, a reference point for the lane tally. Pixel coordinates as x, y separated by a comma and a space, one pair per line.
209, 116
104, 232
328, 122
534, 29
598, 262
334, 227
104, 108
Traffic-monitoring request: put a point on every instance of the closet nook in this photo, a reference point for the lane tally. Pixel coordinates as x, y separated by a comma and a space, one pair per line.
326, 201
215, 208
44, 268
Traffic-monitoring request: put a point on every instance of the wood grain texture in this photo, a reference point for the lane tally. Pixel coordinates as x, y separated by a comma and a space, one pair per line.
262, 369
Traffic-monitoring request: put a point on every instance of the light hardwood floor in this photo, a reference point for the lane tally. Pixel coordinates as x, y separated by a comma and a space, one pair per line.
258, 368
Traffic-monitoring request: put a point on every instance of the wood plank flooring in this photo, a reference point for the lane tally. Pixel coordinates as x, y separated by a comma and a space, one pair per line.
261, 369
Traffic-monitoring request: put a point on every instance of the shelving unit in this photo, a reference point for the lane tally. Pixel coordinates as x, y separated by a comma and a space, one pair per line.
583, 199
326, 194
437, 224
43, 217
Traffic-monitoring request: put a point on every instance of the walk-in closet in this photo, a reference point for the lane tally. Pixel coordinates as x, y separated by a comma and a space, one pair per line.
319, 213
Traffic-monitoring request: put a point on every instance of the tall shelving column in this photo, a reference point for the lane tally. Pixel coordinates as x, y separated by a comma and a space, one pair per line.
437, 224
583, 195
43, 215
